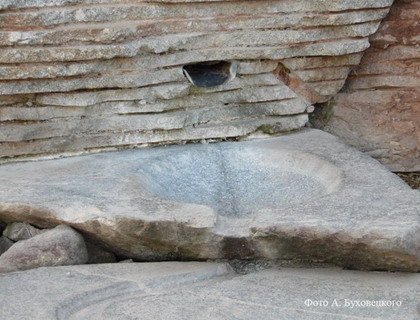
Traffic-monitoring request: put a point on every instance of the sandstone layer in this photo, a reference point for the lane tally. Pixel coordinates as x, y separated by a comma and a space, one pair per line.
91, 75
379, 110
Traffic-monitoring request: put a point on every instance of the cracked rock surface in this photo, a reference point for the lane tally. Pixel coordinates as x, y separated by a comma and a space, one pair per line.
179, 290
379, 110
303, 196
79, 75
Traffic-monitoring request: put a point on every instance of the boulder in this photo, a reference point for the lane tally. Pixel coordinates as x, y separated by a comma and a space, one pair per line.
302, 196
17, 231
56, 247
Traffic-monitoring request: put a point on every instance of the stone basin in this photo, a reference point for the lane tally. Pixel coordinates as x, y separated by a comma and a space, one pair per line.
305, 196
240, 180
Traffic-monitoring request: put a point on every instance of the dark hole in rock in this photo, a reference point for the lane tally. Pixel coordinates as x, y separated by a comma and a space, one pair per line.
210, 74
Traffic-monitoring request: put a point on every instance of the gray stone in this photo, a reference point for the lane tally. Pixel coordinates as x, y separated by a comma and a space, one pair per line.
59, 246
126, 261
302, 196
84, 99
87, 143
17, 231
5, 244
284, 107
205, 291
107, 74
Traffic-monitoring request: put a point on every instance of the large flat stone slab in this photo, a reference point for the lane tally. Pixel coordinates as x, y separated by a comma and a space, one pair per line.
303, 196
175, 290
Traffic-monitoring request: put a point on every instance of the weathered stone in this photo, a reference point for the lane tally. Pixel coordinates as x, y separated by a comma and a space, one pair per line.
126, 108
300, 196
5, 244
92, 142
119, 32
179, 118
205, 291
126, 261
379, 111
98, 255
125, 63
256, 66
17, 231
153, 94
59, 246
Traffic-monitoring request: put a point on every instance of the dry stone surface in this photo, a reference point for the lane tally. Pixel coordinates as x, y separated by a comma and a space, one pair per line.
17, 231
205, 291
91, 75
301, 196
59, 246
379, 110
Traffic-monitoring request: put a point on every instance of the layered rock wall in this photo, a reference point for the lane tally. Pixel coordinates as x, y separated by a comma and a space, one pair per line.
379, 110
90, 75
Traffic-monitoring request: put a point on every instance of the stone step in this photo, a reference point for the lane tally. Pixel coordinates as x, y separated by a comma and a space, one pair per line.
123, 139
177, 119
305, 196
204, 291
123, 31
100, 110
72, 12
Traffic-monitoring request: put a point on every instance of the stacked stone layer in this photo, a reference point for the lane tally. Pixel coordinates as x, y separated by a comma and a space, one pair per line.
379, 112
86, 75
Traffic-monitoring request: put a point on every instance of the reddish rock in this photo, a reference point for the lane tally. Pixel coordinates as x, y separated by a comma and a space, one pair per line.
56, 247
379, 110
